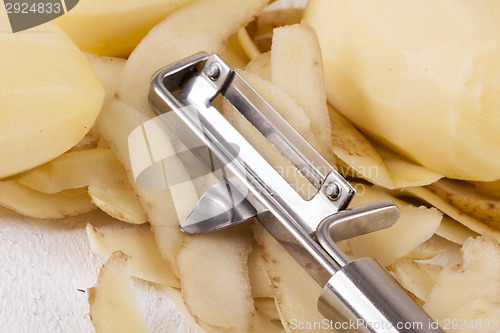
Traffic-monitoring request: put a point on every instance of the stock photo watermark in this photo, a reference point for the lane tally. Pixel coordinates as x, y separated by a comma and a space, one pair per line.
464, 325
25, 14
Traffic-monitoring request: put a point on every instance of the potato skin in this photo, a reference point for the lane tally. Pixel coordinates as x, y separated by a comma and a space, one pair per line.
421, 76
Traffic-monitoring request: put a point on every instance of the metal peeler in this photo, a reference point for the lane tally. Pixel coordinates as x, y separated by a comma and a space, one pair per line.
360, 292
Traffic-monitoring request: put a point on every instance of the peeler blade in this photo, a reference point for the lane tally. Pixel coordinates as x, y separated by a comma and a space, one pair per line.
220, 206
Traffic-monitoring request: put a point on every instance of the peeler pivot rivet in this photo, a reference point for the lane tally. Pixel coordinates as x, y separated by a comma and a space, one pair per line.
332, 191
213, 71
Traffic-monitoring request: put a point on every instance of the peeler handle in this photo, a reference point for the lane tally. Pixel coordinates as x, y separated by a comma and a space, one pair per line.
364, 297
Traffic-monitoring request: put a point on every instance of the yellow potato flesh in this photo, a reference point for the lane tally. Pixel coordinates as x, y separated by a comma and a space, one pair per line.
114, 28
50, 96
425, 81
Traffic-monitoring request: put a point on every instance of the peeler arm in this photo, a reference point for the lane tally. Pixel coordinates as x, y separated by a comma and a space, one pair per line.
364, 297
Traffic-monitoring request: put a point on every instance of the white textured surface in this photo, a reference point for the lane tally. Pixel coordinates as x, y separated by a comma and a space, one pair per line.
45, 269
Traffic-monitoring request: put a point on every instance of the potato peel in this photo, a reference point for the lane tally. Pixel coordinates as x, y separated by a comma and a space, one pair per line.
113, 307
214, 279
29, 202
140, 247
295, 291
460, 286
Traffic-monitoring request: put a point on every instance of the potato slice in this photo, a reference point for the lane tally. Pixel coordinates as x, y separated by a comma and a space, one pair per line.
203, 25
296, 292
417, 277
109, 70
113, 307
463, 196
475, 280
29, 202
139, 245
456, 214
114, 28
300, 74
50, 96
98, 168
214, 279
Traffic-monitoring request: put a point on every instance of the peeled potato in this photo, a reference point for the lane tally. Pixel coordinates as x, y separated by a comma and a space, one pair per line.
50, 96
425, 80
114, 28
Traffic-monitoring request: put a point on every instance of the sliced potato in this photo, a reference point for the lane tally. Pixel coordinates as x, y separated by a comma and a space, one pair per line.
113, 307
139, 245
214, 279
29, 202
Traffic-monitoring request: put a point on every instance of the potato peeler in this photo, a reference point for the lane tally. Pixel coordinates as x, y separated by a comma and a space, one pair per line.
360, 295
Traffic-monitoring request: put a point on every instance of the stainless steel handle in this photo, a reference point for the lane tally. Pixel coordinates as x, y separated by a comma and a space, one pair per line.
364, 297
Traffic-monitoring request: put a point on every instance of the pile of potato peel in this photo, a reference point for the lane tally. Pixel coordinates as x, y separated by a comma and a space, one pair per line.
444, 249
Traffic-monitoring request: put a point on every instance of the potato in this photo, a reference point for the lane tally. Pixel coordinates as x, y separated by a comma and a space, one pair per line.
424, 81
50, 96
114, 28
